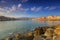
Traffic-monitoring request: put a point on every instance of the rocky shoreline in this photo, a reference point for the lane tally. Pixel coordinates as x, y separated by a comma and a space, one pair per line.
39, 33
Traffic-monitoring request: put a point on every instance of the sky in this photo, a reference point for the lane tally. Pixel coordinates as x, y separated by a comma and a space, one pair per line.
29, 8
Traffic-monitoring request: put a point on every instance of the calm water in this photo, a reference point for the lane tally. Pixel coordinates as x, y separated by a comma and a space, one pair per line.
8, 27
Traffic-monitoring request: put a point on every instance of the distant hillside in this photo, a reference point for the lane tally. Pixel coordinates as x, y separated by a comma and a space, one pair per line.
4, 18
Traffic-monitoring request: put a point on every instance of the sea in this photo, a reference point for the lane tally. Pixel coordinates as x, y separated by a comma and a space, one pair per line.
22, 26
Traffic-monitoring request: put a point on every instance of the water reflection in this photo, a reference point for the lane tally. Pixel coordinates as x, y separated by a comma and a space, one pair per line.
49, 23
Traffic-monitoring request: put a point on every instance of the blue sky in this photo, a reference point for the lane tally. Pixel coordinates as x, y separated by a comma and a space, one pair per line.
29, 8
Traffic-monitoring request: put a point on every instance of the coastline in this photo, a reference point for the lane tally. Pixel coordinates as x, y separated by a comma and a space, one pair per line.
39, 33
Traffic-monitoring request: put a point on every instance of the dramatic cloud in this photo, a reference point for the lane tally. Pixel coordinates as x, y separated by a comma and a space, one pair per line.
13, 9
19, 8
36, 9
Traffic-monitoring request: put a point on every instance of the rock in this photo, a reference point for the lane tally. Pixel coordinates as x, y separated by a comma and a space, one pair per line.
49, 32
38, 31
8, 38
57, 27
29, 36
57, 37
49, 38
17, 36
38, 38
57, 30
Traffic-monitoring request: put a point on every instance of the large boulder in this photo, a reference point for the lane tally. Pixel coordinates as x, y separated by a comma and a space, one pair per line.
49, 32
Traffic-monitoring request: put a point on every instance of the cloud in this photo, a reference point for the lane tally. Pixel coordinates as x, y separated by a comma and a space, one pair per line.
46, 8
21, 9
15, 8
19, 5
3, 1
50, 8
8, 9
33, 8
36, 9
4, 11
39, 8
24, 1
12, 9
